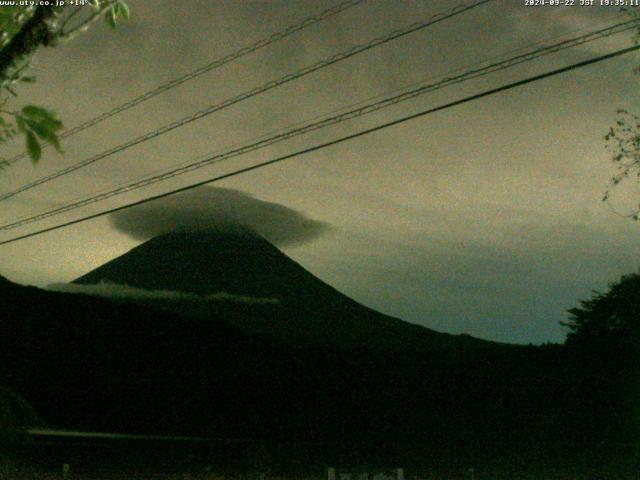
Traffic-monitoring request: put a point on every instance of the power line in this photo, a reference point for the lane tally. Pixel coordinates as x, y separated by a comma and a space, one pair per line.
459, 9
215, 64
169, 169
344, 115
320, 146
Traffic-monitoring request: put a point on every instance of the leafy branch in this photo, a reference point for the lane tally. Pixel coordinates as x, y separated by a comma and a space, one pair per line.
112, 10
623, 141
23, 29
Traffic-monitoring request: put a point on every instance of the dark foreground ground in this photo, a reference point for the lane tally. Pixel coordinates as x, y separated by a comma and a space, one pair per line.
549, 412
209, 460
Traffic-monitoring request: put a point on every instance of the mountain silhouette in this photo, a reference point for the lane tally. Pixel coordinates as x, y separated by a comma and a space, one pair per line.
117, 365
305, 310
101, 364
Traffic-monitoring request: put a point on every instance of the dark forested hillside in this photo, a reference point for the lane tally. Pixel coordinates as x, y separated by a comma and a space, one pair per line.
223, 369
96, 364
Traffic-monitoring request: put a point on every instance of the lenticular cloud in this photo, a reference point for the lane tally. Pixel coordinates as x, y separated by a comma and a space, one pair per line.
217, 209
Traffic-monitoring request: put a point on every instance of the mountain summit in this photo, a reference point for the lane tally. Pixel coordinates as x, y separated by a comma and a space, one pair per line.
237, 261
240, 262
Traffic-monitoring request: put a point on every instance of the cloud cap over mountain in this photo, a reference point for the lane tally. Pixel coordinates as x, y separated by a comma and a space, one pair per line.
215, 209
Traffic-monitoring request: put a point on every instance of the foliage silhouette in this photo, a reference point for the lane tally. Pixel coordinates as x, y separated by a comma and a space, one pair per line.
23, 30
609, 320
603, 350
623, 141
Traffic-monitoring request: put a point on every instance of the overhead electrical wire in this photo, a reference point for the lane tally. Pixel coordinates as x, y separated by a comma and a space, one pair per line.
213, 65
345, 114
271, 133
414, 27
342, 139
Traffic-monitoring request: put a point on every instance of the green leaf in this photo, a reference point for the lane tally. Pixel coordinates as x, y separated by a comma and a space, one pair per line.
110, 17
53, 140
45, 133
122, 10
33, 147
28, 79
43, 116
36, 112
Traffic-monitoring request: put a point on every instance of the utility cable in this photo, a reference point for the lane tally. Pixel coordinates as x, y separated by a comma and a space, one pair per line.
215, 64
263, 142
251, 93
320, 146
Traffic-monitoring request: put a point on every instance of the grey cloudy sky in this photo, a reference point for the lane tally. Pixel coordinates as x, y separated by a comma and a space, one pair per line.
485, 218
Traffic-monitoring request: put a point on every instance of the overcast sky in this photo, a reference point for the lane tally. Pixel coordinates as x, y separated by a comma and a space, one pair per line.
485, 218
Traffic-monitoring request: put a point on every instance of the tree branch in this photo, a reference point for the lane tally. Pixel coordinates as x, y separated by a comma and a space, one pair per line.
34, 33
65, 35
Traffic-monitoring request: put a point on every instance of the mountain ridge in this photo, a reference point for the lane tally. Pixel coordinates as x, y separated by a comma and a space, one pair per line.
242, 262
99, 364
